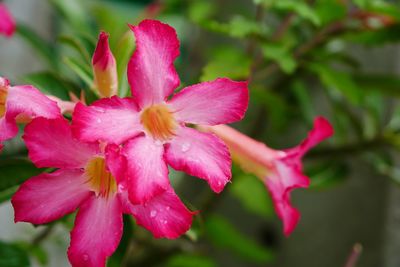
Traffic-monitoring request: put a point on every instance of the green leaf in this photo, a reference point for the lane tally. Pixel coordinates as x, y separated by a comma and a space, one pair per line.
74, 13
123, 52
329, 11
83, 71
281, 55
75, 44
253, 195
41, 46
340, 81
384, 84
116, 259
188, 260
278, 111
327, 174
15, 171
227, 62
304, 100
241, 27
301, 8
13, 256
6, 195
224, 235
200, 11
376, 37
51, 84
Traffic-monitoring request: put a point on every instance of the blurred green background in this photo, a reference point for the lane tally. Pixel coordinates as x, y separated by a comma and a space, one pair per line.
303, 58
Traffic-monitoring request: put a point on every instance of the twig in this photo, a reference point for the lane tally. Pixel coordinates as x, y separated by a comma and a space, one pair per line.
347, 149
42, 235
354, 256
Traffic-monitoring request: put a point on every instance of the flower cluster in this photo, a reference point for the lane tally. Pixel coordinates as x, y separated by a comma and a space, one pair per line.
113, 158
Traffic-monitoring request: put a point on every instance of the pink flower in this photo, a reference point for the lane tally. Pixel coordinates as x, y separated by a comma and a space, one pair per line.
104, 68
20, 104
89, 179
152, 124
280, 170
7, 22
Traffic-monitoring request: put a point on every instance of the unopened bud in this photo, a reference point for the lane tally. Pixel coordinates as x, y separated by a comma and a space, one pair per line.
104, 68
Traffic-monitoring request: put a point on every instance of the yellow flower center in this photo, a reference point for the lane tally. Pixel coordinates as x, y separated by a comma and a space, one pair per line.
159, 122
99, 178
3, 97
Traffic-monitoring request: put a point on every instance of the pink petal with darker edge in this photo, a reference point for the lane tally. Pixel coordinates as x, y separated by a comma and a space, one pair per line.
147, 170
50, 144
49, 196
200, 154
97, 232
113, 120
211, 103
151, 72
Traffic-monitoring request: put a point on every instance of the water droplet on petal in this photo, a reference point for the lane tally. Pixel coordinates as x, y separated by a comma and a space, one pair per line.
153, 213
168, 208
185, 147
165, 222
98, 120
85, 257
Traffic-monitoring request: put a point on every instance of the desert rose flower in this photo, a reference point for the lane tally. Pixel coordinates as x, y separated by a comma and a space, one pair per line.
153, 124
7, 22
280, 170
22, 103
90, 179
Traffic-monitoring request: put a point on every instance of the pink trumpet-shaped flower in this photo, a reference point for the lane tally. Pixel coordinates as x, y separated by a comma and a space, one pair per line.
152, 125
7, 22
280, 170
104, 68
20, 104
91, 180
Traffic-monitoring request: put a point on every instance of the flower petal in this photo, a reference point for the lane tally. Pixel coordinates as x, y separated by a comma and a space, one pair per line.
322, 130
280, 182
7, 22
29, 101
151, 72
8, 129
211, 103
164, 215
49, 196
287, 174
113, 120
26, 102
200, 154
147, 170
97, 232
50, 144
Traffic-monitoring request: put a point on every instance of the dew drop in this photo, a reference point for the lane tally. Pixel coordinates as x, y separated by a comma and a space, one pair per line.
168, 208
185, 147
153, 213
85, 257
98, 120
165, 222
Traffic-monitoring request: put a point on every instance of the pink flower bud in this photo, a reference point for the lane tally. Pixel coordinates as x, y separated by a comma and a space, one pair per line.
7, 22
104, 68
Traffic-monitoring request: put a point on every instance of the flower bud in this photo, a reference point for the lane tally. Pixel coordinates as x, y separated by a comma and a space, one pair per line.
7, 22
104, 68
